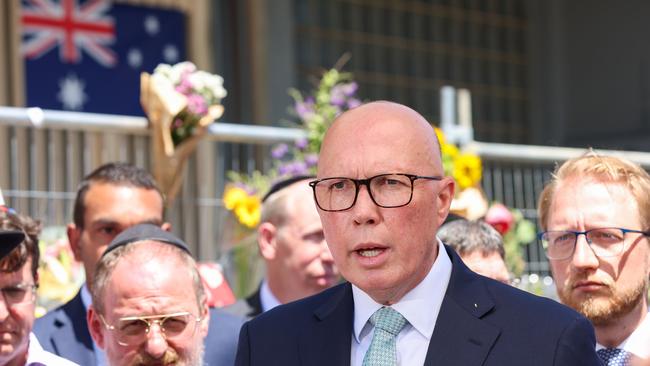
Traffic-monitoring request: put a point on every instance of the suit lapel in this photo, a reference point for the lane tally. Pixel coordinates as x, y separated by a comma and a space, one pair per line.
460, 336
72, 336
327, 339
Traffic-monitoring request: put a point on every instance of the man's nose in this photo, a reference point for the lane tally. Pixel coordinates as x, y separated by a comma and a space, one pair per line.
364, 210
583, 255
325, 254
156, 344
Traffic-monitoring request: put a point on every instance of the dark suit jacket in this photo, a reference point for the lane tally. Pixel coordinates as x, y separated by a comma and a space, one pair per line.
481, 322
64, 331
248, 308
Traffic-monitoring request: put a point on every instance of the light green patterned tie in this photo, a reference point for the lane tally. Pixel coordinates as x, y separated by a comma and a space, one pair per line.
383, 351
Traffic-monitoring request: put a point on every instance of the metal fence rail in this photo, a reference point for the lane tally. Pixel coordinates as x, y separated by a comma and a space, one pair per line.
44, 154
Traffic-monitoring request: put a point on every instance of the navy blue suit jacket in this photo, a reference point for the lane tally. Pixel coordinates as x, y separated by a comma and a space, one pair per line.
64, 331
481, 322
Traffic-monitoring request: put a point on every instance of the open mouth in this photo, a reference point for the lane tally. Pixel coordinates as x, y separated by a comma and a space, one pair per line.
371, 252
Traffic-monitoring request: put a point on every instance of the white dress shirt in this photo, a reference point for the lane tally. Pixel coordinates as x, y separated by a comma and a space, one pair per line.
268, 300
638, 343
37, 356
420, 307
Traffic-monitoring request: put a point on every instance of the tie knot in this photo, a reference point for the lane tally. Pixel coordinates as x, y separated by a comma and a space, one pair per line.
614, 356
389, 320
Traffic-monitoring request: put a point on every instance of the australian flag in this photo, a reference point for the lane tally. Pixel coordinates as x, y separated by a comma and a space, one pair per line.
88, 55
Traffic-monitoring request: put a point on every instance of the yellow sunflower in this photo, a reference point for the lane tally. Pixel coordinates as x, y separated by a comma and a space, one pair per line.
248, 211
233, 196
467, 170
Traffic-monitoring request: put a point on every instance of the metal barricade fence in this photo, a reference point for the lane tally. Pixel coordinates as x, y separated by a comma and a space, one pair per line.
44, 155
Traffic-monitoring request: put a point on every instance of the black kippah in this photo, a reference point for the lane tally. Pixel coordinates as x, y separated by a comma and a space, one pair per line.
284, 183
9, 239
142, 232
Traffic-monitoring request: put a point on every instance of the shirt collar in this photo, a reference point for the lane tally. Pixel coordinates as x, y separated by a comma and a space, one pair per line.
428, 294
86, 299
268, 300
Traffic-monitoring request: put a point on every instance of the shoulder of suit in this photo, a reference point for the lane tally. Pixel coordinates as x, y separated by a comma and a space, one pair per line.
525, 302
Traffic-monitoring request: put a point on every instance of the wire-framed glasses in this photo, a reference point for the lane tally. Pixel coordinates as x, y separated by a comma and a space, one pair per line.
21, 293
385, 190
604, 242
134, 330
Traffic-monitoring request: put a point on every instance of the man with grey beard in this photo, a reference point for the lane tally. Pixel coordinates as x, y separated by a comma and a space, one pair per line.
595, 214
149, 306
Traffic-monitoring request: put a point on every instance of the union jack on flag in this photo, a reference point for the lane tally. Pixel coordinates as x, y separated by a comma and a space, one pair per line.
87, 55
72, 27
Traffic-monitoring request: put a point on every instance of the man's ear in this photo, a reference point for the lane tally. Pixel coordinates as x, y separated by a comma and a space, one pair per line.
266, 240
74, 238
205, 324
444, 198
166, 226
95, 326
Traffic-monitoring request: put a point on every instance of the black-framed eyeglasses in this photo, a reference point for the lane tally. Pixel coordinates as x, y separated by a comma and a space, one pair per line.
21, 293
134, 330
604, 242
386, 190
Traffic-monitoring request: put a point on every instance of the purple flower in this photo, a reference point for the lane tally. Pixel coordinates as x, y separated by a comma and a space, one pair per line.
349, 89
311, 160
299, 168
301, 144
279, 151
178, 123
196, 105
284, 169
337, 96
353, 103
185, 86
305, 108
341, 92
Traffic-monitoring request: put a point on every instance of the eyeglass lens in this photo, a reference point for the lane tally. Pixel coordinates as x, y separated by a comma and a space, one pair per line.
18, 294
389, 190
135, 330
605, 242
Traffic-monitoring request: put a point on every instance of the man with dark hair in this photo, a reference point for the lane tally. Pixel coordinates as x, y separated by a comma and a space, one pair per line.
18, 282
291, 242
479, 245
109, 200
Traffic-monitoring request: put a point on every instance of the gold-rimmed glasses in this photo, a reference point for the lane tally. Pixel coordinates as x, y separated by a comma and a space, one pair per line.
133, 330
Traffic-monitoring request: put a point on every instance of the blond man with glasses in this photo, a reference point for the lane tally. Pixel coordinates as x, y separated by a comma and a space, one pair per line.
595, 217
149, 306
18, 283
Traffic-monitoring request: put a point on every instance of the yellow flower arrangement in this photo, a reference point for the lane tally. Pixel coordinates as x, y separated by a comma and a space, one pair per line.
464, 167
467, 170
245, 206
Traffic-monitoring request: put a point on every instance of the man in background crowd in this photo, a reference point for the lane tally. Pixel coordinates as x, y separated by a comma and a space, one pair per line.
109, 200
595, 217
18, 283
160, 319
291, 242
479, 245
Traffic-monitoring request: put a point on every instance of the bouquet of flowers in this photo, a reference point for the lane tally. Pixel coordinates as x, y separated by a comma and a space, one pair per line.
180, 102
466, 169
315, 112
